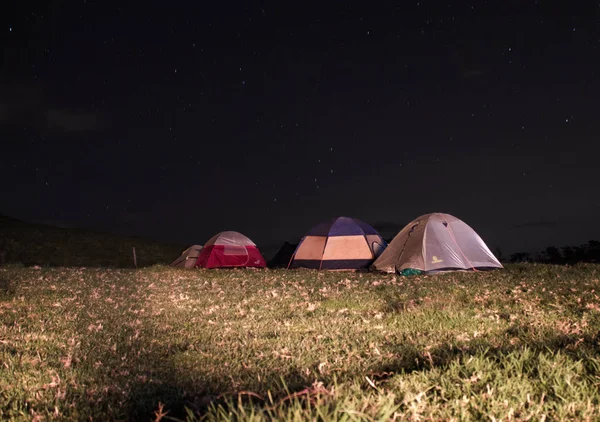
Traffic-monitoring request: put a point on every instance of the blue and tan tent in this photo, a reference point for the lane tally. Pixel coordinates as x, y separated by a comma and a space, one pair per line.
340, 244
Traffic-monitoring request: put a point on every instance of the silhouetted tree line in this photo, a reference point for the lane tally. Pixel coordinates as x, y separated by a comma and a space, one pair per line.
588, 252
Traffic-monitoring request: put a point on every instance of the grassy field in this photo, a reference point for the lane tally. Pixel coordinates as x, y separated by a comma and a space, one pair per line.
518, 344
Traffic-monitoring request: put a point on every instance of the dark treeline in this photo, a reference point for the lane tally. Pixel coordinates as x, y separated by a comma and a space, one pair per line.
588, 252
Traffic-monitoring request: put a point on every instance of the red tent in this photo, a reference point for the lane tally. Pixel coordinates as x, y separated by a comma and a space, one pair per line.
230, 249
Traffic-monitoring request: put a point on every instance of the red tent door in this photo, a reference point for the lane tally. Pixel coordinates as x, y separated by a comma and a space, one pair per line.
236, 255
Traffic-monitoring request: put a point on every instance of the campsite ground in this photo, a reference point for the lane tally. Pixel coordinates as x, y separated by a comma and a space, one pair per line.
79, 343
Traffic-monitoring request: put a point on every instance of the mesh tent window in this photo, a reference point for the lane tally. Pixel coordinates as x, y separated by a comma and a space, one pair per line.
234, 250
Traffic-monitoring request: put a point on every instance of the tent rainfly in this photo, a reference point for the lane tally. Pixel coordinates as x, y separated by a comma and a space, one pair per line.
436, 242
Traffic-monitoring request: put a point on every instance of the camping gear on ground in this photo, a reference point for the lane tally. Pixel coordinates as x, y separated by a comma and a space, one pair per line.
230, 249
283, 256
342, 243
188, 258
436, 242
410, 271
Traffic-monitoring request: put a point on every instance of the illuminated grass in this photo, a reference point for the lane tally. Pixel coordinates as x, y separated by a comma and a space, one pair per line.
299, 345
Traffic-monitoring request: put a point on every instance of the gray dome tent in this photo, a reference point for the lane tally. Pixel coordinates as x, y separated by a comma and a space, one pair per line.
436, 242
188, 257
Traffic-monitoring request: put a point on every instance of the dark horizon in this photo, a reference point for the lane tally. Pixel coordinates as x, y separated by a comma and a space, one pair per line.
558, 251
177, 122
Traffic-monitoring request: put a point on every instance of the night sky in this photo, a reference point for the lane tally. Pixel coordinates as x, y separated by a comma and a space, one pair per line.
176, 120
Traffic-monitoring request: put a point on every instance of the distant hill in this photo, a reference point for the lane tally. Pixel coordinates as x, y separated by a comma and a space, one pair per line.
33, 243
